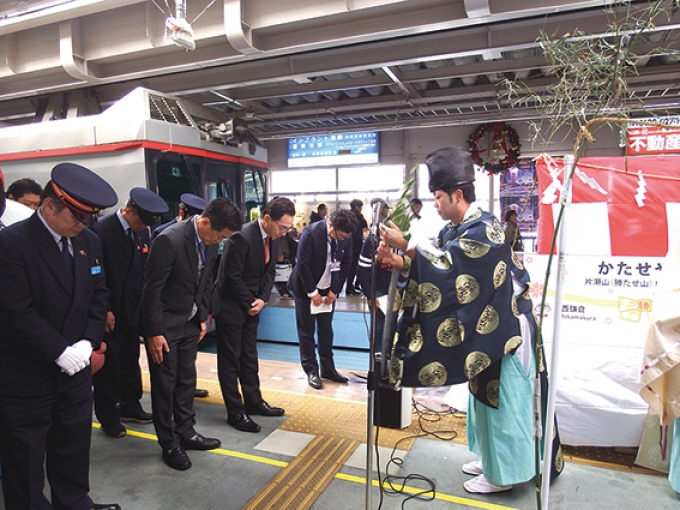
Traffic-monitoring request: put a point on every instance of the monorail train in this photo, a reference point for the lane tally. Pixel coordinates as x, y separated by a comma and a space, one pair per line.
147, 139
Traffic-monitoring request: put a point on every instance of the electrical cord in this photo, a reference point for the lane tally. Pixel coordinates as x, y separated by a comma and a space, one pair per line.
398, 484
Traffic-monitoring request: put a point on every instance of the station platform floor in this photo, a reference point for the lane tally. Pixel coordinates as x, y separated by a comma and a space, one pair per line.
314, 457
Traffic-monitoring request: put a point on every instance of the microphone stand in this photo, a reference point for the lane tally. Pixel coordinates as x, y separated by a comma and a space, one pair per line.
370, 378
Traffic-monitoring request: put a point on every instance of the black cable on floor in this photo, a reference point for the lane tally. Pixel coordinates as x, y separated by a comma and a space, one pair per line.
397, 484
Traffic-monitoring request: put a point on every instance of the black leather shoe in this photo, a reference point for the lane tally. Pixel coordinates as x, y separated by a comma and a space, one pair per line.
243, 422
199, 442
115, 431
314, 381
198, 393
264, 409
335, 377
105, 506
139, 416
177, 458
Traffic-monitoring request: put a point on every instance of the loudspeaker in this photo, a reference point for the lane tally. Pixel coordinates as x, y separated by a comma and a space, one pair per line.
393, 408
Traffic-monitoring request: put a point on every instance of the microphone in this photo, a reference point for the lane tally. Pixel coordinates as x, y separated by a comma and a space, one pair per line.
377, 205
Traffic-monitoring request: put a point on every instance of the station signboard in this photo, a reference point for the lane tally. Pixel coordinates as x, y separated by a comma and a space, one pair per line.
333, 150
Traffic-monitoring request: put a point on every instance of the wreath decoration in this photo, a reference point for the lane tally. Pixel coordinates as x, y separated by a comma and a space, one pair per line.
504, 144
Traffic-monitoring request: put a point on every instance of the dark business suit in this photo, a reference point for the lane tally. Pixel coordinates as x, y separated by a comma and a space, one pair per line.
161, 228
172, 285
311, 263
242, 278
44, 308
118, 385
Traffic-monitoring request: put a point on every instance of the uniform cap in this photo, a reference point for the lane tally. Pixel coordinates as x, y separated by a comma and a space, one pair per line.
149, 205
81, 190
194, 203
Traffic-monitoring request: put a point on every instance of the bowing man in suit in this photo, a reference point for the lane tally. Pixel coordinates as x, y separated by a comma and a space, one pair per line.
190, 205
324, 256
173, 310
125, 239
52, 314
244, 284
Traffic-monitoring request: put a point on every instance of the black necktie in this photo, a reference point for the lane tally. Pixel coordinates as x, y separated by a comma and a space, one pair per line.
68, 258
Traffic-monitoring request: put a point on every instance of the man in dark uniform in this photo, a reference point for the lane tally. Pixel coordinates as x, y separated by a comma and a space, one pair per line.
244, 284
357, 240
125, 240
50, 321
324, 255
174, 307
190, 205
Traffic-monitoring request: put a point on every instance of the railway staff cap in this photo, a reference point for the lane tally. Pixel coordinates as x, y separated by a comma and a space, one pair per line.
148, 204
450, 167
81, 190
193, 203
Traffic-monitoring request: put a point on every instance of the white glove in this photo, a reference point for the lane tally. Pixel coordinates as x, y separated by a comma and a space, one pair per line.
75, 357
84, 347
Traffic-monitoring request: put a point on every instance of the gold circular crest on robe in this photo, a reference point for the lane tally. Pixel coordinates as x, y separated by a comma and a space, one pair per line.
512, 344
467, 288
406, 270
398, 300
513, 304
474, 385
450, 332
494, 232
411, 294
488, 321
475, 363
441, 261
500, 273
493, 392
473, 249
559, 460
517, 262
415, 338
430, 297
432, 374
476, 215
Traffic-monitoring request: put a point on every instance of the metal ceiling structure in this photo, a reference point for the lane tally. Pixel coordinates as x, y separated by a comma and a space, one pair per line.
295, 67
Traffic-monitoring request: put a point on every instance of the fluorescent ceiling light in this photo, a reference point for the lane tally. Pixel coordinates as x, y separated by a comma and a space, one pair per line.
25, 11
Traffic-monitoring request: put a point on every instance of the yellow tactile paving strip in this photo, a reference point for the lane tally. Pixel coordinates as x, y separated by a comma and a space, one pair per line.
305, 478
319, 415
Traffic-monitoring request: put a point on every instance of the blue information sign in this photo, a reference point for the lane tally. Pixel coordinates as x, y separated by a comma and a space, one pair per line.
333, 150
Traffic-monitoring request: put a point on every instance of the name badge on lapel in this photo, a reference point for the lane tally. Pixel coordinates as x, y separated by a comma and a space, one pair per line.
96, 270
335, 266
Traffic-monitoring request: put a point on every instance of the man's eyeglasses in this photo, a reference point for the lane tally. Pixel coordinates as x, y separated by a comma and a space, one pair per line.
282, 228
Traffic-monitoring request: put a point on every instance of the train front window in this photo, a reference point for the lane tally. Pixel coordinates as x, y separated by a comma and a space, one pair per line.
174, 177
254, 190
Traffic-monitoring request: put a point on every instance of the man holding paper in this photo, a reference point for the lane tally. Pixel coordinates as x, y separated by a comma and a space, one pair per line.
324, 256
